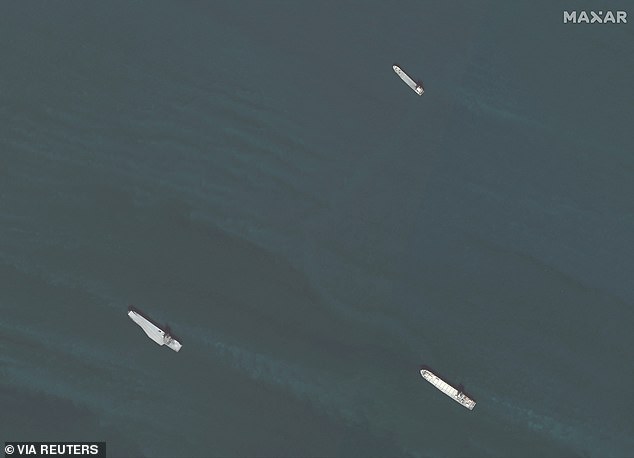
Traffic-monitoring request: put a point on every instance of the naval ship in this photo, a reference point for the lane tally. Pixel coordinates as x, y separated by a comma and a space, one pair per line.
158, 335
449, 390
418, 88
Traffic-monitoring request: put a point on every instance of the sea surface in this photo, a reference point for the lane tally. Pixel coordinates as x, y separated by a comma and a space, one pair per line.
255, 175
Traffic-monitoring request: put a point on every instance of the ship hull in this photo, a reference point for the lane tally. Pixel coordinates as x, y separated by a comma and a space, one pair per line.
154, 332
449, 390
410, 82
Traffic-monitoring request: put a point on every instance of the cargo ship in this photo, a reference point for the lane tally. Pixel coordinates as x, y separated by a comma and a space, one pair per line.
449, 390
418, 88
158, 335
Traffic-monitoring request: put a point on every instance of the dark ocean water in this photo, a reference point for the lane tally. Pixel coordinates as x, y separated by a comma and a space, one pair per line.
256, 176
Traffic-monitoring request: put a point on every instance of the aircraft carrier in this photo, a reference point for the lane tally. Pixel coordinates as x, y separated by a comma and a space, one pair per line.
155, 333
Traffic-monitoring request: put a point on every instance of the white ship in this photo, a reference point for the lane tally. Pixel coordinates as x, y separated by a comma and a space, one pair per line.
449, 390
418, 88
155, 333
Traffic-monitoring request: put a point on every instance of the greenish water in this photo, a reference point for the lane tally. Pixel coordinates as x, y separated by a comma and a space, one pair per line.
256, 176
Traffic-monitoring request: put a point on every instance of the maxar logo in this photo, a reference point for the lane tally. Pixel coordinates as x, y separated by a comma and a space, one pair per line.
594, 17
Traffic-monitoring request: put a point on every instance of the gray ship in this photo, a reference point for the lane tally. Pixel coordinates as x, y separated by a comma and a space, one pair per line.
158, 335
449, 390
418, 88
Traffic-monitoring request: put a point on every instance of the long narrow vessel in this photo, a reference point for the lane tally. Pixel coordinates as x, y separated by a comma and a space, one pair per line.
158, 335
410, 82
449, 390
